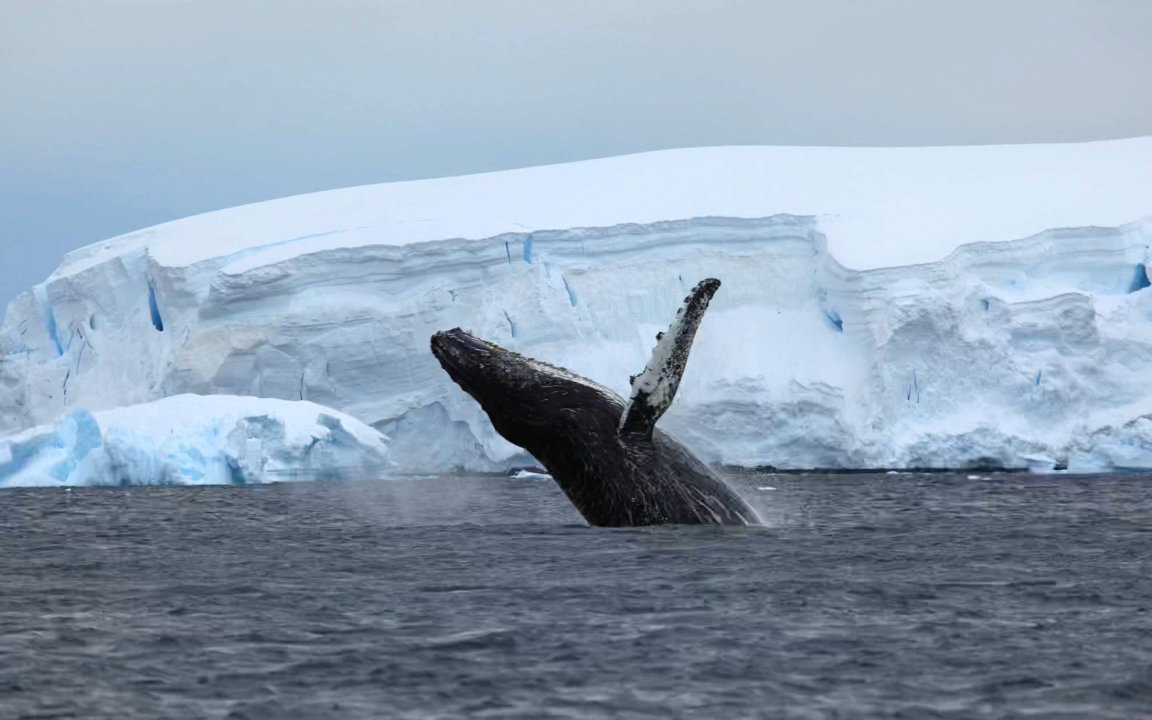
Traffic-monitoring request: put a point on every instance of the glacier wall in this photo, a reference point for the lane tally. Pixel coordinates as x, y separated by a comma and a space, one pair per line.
1030, 352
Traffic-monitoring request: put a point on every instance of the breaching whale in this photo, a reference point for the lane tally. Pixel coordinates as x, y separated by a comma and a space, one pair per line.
608, 456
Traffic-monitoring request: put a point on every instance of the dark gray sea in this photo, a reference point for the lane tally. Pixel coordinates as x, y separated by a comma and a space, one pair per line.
867, 596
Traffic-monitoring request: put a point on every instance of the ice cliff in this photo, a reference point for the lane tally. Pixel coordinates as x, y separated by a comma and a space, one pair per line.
930, 307
194, 440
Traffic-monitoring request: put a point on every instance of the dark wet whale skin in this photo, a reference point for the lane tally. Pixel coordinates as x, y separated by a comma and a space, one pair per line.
570, 424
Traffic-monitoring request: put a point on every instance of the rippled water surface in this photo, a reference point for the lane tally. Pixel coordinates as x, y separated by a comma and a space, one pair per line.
868, 596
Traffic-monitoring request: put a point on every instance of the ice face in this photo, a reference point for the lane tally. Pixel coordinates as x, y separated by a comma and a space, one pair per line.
194, 440
995, 352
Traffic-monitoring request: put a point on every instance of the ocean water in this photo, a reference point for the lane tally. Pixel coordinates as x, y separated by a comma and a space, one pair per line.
866, 596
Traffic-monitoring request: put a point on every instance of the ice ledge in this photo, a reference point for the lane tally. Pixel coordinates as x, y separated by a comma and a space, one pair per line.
878, 206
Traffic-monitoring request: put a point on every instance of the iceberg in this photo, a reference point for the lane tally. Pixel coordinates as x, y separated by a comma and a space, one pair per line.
881, 307
194, 440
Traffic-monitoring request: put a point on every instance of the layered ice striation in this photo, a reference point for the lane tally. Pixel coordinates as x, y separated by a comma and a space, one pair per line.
195, 440
1026, 341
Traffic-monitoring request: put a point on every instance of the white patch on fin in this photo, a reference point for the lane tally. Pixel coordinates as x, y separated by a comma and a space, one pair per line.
654, 389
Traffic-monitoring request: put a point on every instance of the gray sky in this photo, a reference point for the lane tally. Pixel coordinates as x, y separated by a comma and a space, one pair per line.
117, 114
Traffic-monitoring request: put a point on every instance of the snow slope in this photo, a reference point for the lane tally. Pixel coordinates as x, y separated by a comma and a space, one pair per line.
826, 345
194, 440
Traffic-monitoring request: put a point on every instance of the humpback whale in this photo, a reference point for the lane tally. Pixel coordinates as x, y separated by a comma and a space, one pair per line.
608, 456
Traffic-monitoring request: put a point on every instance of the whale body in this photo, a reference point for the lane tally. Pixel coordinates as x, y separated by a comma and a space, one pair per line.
606, 454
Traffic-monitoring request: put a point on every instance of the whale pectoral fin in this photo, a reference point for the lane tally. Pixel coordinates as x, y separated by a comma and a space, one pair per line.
654, 389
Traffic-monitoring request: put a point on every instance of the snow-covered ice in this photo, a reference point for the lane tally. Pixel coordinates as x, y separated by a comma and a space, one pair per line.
881, 307
194, 440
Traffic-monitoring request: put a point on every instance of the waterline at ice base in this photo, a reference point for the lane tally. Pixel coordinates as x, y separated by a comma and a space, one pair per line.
882, 307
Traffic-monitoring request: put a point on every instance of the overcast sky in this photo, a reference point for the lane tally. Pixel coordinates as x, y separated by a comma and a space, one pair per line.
118, 114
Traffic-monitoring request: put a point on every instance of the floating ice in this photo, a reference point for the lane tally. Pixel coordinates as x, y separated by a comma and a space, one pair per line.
194, 440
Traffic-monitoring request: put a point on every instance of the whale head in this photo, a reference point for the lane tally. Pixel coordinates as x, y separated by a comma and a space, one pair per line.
531, 403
